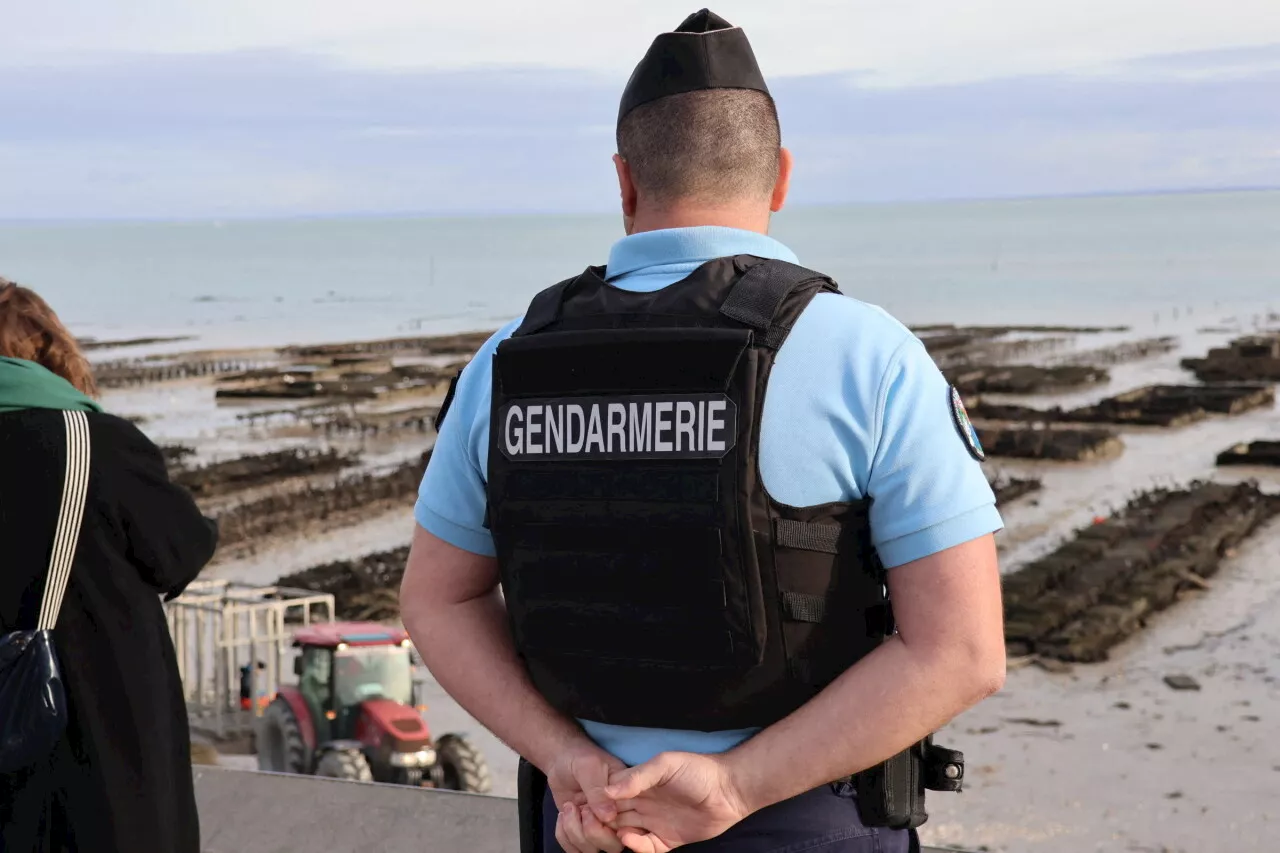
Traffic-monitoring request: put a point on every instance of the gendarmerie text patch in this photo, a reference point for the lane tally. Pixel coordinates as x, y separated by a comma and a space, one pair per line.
651, 426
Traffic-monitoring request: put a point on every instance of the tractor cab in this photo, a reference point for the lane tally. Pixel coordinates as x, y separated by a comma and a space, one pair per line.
355, 714
339, 671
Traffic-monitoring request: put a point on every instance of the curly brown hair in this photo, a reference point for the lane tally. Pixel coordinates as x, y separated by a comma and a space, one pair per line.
30, 330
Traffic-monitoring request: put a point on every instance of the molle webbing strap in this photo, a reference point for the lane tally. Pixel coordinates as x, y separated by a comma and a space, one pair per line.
806, 607
758, 295
803, 607
800, 668
618, 361
699, 543
611, 631
807, 536
638, 483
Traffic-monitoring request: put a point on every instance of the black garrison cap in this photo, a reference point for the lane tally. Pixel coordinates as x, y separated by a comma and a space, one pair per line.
704, 52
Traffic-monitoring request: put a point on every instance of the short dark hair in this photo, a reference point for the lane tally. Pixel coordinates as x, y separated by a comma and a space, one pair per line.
712, 145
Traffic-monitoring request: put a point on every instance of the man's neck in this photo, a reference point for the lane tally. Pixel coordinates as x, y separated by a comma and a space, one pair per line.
658, 220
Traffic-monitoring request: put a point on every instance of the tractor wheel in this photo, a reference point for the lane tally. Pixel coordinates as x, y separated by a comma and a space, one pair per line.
345, 764
464, 766
281, 747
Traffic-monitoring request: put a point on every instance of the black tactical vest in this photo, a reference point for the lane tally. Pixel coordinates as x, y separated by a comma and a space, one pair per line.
650, 578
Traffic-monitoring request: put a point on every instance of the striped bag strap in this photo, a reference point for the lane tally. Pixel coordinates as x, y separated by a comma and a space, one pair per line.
75, 485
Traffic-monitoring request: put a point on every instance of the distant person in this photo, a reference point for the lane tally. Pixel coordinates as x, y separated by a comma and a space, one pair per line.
119, 781
692, 471
247, 690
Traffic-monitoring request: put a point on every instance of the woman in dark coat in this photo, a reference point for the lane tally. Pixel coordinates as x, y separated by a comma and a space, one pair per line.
120, 779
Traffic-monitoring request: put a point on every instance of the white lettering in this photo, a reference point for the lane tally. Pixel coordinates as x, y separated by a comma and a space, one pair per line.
658, 444
685, 414
574, 412
555, 429
715, 424
640, 422
532, 428
617, 427
594, 434
620, 426
516, 446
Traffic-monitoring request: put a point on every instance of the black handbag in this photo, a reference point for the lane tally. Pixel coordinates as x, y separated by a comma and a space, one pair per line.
33, 704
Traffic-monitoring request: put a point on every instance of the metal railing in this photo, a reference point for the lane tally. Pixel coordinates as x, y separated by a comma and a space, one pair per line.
218, 628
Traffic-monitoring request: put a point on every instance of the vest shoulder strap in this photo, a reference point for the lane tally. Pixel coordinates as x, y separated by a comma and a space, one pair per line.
757, 298
448, 401
544, 309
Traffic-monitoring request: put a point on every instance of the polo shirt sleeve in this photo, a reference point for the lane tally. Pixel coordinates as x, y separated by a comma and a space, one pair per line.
929, 493
452, 497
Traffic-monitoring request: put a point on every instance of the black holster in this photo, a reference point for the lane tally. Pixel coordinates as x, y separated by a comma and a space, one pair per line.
531, 788
891, 794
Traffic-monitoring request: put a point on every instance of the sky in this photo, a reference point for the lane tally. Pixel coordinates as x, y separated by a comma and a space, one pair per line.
227, 108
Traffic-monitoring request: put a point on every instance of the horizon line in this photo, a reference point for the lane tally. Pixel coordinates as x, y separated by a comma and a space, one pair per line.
509, 214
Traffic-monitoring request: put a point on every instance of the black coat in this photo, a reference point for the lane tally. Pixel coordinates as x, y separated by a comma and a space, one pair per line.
120, 781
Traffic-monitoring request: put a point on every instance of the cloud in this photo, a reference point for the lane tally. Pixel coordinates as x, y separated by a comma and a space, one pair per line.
1241, 60
901, 43
265, 132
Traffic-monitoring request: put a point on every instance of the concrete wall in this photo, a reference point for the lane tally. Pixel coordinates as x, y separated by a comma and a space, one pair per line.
249, 812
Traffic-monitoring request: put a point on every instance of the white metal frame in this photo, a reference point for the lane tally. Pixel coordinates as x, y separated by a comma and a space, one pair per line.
217, 627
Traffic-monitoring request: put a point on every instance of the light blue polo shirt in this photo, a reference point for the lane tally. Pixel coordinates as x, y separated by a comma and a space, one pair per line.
854, 407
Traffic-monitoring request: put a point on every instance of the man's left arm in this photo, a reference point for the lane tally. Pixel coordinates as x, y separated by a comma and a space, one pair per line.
933, 518
947, 656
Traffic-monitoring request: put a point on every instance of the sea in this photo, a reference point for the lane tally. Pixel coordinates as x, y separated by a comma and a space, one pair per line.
1136, 260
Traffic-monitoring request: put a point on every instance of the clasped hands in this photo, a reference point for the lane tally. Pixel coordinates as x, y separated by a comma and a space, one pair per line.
675, 798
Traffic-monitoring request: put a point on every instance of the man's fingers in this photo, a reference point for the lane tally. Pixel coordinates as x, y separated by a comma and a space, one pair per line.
562, 838
629, 818
569, 832
639, 841
597, 835
633, 782
592, 775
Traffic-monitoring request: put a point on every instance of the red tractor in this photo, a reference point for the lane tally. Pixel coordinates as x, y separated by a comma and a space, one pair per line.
354, 714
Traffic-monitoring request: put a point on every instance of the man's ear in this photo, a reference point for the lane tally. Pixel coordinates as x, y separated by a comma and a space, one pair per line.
627, 189
785, 163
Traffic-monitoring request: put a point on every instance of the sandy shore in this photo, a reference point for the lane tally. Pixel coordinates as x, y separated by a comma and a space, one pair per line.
1101, 757
1120, 761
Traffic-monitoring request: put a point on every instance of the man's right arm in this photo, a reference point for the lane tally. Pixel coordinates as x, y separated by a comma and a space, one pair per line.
449, 597
451, 606
453, 611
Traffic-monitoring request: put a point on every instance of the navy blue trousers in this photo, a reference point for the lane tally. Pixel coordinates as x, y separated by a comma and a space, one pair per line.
824, 820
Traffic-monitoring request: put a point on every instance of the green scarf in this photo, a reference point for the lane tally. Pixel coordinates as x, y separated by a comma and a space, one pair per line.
27, 385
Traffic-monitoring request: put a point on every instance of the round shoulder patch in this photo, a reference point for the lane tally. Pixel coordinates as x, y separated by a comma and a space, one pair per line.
964, 426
